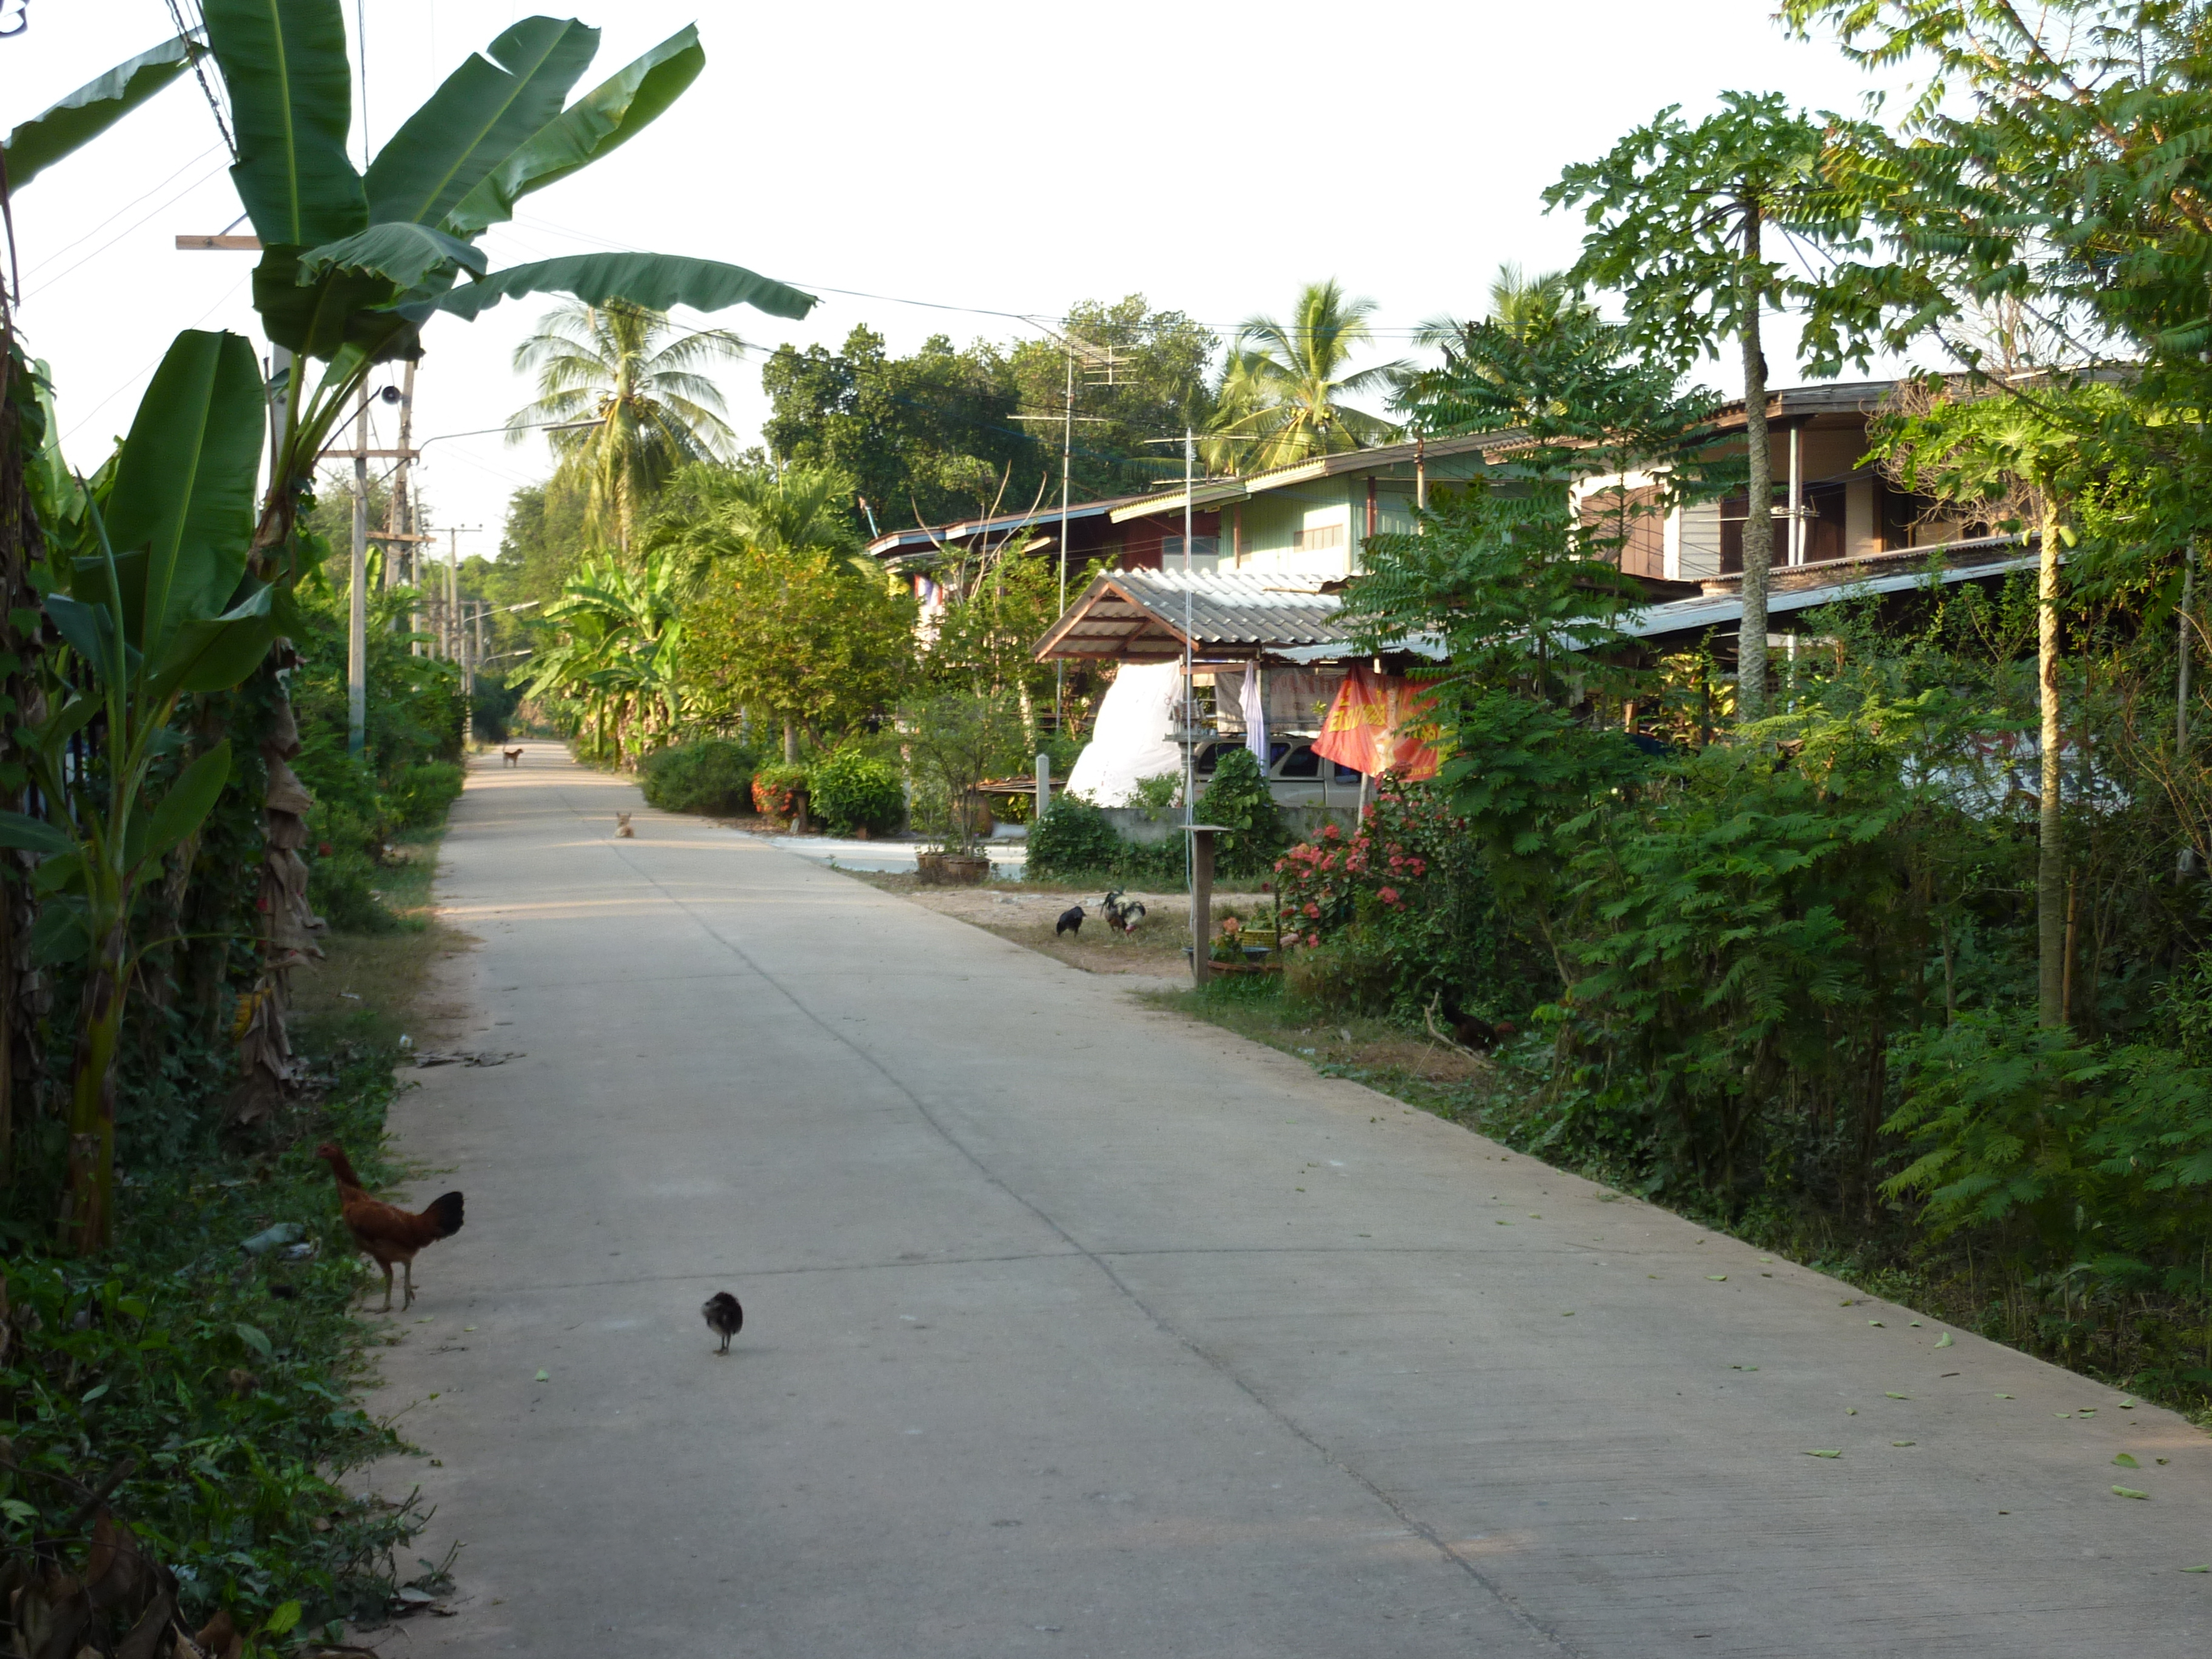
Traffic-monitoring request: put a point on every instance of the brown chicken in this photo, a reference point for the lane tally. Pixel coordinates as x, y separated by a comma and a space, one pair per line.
386, 1232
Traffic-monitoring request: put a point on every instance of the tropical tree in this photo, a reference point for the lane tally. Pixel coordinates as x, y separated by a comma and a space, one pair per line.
710, 512
1283, 389
160, 605
1684, 224
800, 636
354, 266
633, 405
617, 655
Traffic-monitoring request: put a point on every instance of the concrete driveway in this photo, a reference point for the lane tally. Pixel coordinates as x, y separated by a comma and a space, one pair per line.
1076, 1328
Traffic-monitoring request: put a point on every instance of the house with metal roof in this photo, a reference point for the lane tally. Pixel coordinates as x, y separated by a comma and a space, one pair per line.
1223, 616
1315, 518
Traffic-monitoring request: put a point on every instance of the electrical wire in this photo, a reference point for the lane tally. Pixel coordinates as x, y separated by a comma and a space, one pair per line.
135, 225
57, 253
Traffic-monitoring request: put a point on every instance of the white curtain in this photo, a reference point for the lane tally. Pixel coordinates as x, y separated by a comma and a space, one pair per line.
1255, 715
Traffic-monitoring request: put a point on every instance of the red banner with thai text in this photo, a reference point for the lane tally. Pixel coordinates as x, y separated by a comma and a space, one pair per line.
1380, 723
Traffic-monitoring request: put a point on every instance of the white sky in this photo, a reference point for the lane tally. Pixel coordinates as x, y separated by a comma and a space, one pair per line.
1005, 157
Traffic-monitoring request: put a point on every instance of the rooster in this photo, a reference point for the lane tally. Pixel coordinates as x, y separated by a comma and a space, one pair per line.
1071, 921
1121, 916
724, 1317
386, 1232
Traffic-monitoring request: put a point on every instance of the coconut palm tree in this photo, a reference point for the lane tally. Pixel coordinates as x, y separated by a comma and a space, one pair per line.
630, 390
1283, 385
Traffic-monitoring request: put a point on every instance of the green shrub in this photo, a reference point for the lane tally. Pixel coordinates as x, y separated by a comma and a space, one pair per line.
1072, 839
418, 795
712, 776
1239, 799
851, 790
341, 889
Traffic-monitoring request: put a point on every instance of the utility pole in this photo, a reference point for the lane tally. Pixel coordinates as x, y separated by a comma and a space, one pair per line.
449, 618
357, 597
1067, 454
400, 520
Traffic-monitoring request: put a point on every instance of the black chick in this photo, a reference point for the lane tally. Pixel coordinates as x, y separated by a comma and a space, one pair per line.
1071, 921
724, 1317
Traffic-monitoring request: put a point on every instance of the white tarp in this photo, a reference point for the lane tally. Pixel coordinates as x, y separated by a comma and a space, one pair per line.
1129, 740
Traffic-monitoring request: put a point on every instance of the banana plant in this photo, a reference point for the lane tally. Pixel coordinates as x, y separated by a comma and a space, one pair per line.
355, 264
159, 604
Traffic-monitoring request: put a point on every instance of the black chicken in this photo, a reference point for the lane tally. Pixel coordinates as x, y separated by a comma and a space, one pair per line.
724, 1317
1071, 921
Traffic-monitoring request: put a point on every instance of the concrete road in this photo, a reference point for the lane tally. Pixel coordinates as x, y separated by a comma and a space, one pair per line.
1076, 1328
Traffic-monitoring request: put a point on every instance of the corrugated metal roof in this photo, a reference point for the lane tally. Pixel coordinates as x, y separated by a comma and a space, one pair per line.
909, 541
1139, 616
1689, 617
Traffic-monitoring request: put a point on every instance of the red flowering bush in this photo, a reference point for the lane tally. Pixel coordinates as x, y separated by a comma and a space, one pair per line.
1402, 900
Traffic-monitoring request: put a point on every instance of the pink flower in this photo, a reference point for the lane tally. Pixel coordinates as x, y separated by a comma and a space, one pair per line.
1314, 911
1330, 832
1397, 863
1389, 895
1313, 939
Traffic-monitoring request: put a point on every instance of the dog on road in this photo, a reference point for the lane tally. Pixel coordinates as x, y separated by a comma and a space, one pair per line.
514, 756
621, 826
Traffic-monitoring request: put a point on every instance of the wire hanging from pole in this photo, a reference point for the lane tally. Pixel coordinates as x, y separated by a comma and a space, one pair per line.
196, 30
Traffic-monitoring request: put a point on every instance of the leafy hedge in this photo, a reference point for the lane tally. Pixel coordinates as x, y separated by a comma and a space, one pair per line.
712, 776
850, 789
1074, 840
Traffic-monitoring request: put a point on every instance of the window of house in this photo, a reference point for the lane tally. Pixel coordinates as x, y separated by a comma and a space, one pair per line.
1824, 527
1300, 761
1315, 537
1205, 552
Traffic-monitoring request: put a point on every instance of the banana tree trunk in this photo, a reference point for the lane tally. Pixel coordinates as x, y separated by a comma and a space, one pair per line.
88, 1219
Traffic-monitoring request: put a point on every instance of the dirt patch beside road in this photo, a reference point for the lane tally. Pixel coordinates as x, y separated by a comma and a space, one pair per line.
1025, 912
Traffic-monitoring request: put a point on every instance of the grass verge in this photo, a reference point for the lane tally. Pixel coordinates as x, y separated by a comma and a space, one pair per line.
202, 1374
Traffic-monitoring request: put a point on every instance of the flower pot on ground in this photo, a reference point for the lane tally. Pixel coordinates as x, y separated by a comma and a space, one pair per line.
780, 791
964, 869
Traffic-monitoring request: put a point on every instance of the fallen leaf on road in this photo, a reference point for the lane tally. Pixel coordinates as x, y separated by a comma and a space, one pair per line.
1570, 1314
1718, 1279
1823, 1454
2004, 1396
1895, 1395
1875, 1322
2126, 1462
542, 1377
2162, 1462
2204, 1569
2062, 1414
1904, 1443
1944, 1341
2128, 1491
1851, 1411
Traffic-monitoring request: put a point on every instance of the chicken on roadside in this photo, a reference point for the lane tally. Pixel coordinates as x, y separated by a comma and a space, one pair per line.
724, 1317
1071, 921
1121, 915
387, 1233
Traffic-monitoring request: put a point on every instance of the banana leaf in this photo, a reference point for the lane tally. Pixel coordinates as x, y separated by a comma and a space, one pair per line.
653, 282
402, 254
291, 98
180, 517
82, 116
483, 113
610, 115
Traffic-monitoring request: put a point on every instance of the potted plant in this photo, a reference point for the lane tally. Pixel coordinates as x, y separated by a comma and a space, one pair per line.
780, 791
953, 742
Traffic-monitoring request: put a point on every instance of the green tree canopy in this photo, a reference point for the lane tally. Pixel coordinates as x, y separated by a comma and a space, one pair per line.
924, 439
1150, 378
